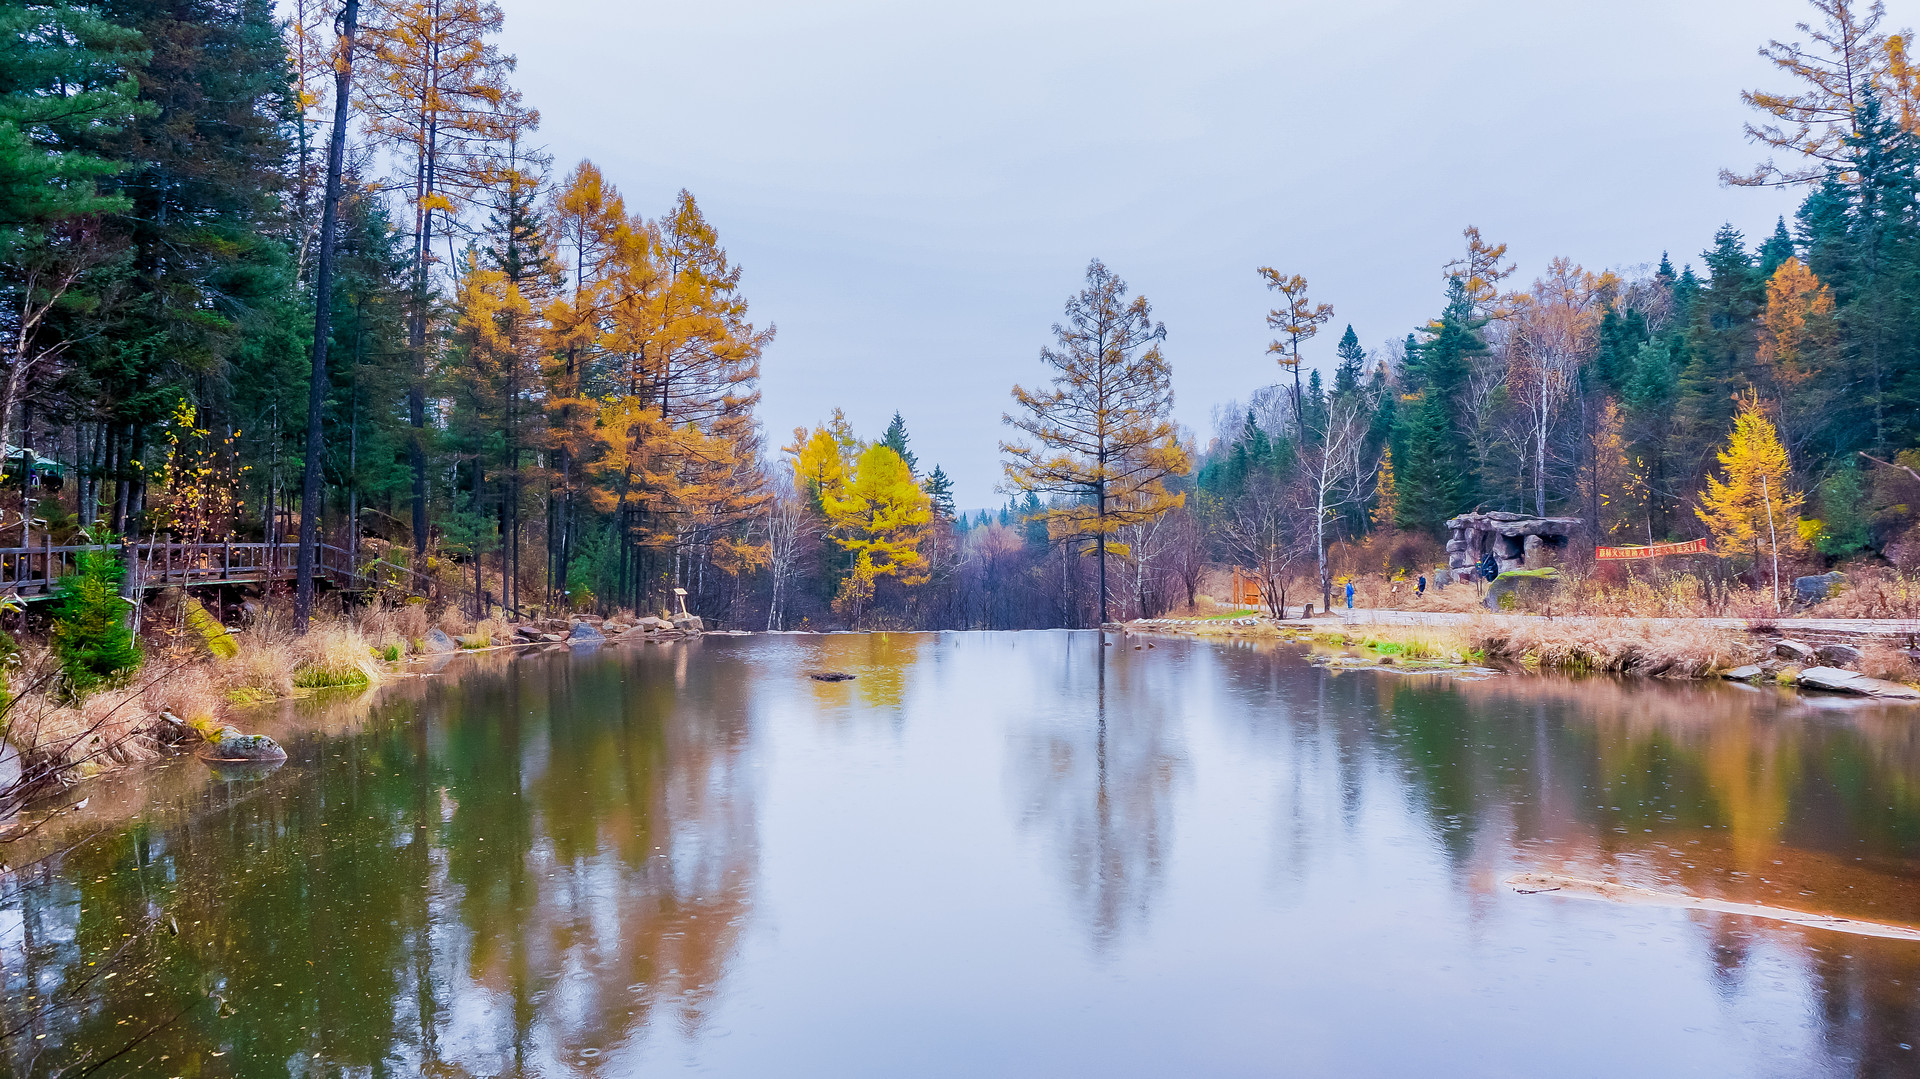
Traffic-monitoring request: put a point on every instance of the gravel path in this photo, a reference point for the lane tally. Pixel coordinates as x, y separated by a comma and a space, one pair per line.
1817, 627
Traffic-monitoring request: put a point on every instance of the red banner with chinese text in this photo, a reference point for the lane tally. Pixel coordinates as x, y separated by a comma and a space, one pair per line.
1609, 554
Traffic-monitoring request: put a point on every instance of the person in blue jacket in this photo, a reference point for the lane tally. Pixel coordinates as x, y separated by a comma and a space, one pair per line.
1349, 595
1422, 590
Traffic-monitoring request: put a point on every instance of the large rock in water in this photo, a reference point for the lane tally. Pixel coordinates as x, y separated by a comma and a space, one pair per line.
1835, 680
583, 633
230, 745
438, 642
688, 623
1811, 590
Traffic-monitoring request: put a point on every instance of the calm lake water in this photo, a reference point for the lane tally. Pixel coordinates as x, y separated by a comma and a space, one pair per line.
989, 854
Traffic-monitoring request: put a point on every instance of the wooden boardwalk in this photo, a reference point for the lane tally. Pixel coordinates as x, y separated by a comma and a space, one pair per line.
31, 573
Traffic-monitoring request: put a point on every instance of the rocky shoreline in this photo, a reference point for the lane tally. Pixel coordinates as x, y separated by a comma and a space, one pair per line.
1467, 647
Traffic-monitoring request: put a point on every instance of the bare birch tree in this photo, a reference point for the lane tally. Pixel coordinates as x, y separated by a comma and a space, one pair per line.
1558, 332
791, 524
1338, 472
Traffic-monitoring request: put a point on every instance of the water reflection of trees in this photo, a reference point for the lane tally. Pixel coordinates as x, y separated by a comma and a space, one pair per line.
1095, 769
502, 873
1697, 788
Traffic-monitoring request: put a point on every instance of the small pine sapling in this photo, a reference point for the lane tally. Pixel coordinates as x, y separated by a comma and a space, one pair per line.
90, 635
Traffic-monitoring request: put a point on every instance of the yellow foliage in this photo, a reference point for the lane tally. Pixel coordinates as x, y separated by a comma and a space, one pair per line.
881, 516
1797, 321
1751, 506
1386, 493
1845, 57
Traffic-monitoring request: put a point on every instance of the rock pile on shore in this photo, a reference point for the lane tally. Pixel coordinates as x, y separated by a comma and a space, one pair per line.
1829, 666
591, 628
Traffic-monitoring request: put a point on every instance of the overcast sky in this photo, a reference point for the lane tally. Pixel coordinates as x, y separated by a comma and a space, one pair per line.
915, 188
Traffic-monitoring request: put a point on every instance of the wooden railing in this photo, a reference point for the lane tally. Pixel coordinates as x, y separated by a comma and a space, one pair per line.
32, 572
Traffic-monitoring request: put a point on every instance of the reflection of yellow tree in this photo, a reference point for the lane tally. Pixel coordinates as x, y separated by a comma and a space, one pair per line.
1752, 775
540, 857
638, 863
882, 663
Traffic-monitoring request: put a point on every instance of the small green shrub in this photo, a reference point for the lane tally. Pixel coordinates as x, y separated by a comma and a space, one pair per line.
327, 675
90, 636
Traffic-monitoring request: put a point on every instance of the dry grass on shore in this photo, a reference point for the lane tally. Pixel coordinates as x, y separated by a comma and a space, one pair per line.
181, 694
1619, 645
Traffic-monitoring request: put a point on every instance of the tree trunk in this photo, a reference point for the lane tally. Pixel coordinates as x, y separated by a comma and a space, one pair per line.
317, 380
416, 391
1540, 456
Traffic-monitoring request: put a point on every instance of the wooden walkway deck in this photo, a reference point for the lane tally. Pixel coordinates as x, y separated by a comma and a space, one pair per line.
31, 573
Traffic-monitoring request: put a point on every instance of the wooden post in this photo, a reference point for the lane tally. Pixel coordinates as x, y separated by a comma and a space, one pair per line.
226, 560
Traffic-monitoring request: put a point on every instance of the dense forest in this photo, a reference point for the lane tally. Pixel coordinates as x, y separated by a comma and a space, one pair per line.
308, 273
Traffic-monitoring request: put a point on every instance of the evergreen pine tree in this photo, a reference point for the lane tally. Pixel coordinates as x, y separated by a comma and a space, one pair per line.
208, 300
1621, 335
896, 440
1353, 358
1385, 411
1428, 479
89, 634
940, 491
1445, 367
1844, 514
1721, 339
1884, 236
1315, 406
64, 81
1777, 249
1664, 275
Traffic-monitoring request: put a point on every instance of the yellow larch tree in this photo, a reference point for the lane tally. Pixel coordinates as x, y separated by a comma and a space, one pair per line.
1751, 508
1797, 337
823, 457
683, 363
1103, 442
1899, 82
1480, 270
587, 228
434, 92
496, 349
1295, 322
1606, 484
880, 515
1846, 58
1386, 493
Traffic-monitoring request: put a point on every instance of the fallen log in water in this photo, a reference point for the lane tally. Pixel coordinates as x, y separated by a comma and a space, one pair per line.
1576, 888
